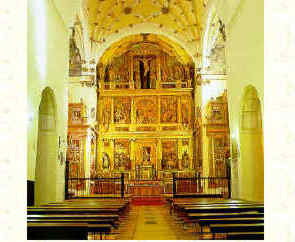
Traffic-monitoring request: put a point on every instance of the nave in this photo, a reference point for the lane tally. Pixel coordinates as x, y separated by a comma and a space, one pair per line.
131, 103
147, 219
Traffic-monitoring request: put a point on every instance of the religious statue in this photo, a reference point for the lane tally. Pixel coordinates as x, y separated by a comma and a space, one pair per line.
146, 156
75, 64
105, 161
144, 68
185, 160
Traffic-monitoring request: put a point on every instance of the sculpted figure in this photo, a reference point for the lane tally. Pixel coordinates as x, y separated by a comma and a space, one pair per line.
105, 161
185, 160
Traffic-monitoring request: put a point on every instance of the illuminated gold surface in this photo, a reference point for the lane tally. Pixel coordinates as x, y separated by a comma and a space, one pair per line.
165, 44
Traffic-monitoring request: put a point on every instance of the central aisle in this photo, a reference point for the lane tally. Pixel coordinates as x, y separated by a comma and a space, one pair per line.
151, 222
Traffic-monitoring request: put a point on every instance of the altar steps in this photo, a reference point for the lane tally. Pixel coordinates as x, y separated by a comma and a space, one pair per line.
148, 201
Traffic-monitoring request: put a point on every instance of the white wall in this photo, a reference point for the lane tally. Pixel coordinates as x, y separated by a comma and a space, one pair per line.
88, 94
47, 67
245, 61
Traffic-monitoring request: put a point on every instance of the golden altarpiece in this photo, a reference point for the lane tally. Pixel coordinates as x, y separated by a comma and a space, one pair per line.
217, 132
79, 131
145, 114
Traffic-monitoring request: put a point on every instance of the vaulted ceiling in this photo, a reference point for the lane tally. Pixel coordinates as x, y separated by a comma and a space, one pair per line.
107, 17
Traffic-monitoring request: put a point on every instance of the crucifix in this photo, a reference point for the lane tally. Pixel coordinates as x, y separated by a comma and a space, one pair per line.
144, 69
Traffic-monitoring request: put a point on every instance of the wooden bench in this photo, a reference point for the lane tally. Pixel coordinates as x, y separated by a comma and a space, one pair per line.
197, 216
245, 236
230, 228
238, 220
230, 208
220, 205
223, 216
93, 218
77, 210
74, 219
60, 230
74, 216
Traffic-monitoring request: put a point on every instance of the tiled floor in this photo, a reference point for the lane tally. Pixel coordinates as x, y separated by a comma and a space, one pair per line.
151, 223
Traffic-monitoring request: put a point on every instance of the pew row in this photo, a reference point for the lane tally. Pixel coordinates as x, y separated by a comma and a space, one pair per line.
75, 219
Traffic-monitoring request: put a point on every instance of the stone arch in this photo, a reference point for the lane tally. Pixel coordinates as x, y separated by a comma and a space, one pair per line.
46, 160
148, 28
251, 146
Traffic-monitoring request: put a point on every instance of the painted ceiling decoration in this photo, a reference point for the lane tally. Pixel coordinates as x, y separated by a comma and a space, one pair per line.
108, 28
106, 17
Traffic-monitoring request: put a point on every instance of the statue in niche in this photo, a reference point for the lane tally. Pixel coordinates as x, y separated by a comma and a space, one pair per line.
75, 57
100, 71
185, 160
105, 161
118, 115
146, 156
112, 73
171, 164
106, 113
177, 72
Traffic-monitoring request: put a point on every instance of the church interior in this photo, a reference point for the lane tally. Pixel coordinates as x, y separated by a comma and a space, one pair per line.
145, 119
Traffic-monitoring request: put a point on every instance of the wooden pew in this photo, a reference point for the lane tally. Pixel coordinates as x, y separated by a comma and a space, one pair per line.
227, 228
198, 216
228, 216
76, 210
74, 216
96, 219
60, 230
223, 208
58, 220
237, 220
178, 204
236, 228
245, 236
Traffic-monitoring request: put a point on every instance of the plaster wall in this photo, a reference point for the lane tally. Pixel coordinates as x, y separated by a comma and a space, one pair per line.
245, 62
47, 67
88, 96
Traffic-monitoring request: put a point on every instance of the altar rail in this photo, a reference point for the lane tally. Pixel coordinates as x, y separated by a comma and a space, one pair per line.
201, 186
95, 187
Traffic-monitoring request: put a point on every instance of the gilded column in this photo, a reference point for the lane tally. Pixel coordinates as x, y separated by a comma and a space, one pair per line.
179, 113
132, 156
159, 155
131, 81
133, 114
179, 151
158, 83
112, 114
112, 158
191, 152
100, 149
159, 113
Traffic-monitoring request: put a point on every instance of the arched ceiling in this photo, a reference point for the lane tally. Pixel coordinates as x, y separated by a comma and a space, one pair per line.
107, 17
130, 42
